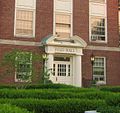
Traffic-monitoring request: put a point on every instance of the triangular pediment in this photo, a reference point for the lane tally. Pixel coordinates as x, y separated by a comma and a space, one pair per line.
74, 41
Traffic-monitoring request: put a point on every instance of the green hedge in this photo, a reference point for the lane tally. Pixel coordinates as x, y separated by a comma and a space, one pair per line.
51, 94
5, 108
36, 86
61, 106
110, 88
113, 100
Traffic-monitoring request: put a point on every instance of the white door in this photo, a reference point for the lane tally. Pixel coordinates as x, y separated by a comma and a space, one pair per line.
62, 68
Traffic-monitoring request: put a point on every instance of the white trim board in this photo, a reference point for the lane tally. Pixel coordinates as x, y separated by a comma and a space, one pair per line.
103, 48
28, 43
21, 43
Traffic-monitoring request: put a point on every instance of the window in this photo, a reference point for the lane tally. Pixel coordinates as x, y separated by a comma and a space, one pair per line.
61, 69
63, 25
63, 18
63, 5
99, 69
23, 66
24, 22
97, 29
62, 66
25, 19
98, 21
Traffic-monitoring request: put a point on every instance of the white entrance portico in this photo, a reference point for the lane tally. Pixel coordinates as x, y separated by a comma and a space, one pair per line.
64, 58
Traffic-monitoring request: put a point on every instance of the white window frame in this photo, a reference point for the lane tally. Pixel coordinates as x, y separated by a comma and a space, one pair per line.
119, 21
19, 80
105, 17
34, 18
65, 13
104, 68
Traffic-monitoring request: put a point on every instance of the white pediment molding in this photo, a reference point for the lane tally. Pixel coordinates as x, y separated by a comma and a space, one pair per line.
74, 41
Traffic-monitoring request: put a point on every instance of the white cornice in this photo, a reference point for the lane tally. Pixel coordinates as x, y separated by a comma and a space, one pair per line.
28, 43
103, 48
21, 43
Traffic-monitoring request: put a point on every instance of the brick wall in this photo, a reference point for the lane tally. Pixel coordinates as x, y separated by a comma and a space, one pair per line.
112, 66
44, 27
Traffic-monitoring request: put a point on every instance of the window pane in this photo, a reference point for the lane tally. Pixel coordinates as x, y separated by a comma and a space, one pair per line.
24, 22
60, 18
63, 5
61, 69
99, 69
97, 29
62, 28
63, 25
24, 15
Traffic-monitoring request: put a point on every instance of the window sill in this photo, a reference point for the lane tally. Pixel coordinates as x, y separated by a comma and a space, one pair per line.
22, 81
23, 36
102, 42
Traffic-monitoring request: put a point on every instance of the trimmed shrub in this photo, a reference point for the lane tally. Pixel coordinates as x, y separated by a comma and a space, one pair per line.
5, 108
51, 94
37, 86
61, 106
109, 109
113, 100
110, 88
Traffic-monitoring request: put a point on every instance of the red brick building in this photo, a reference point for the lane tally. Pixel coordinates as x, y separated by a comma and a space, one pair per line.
79, 37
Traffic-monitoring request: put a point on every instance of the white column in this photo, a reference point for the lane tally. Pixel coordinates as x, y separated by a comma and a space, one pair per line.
50, 61
78, 71
49, 64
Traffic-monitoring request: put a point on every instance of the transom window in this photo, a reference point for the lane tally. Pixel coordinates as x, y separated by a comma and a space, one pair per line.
23, 66
97, 29
99, 69
67, 59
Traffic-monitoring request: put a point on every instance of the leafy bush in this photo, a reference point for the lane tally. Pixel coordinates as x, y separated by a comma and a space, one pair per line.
51, 94
5, 108
61, 106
